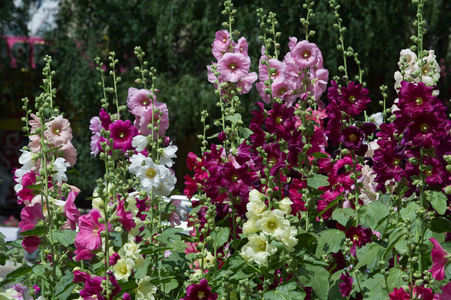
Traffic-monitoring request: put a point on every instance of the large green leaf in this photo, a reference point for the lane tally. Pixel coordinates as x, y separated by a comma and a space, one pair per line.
441, 224
38, 230
395, 278
65, 237
438, 201
222, 236
330, 241
315, 277
317, 181
369, 255
372, 213
409, 210
65, 286
342, 215
372, 288
286, 291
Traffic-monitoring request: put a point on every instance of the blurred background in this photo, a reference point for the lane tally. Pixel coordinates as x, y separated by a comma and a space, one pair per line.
176, 36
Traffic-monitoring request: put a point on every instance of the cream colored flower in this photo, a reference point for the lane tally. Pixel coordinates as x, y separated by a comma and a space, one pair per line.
249, 226
273, 223
257, 249
145, 290
285, 205
123, 268
289, 239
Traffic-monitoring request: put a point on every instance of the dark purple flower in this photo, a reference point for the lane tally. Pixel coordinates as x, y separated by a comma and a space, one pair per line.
105, 118
200, 291
346, 285
122, 133
414, 98
399, 294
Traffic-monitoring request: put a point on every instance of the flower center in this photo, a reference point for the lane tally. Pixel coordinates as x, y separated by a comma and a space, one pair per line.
396, 162
425, 71
271, 224
121, 135
224, 40
419, 101
57, 131
282, 91
272, 161
234, 178
428, 173
151, 173
262, 246
424, 127
146, 102
305, 54
352, 137
201, 295
232, 66
279, 120
124, 270
352, 99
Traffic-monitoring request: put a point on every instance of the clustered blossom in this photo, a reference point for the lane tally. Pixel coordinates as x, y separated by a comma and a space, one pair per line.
233, 62
300, 72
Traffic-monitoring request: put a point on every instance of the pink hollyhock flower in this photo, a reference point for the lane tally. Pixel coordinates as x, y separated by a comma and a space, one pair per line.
161, 113
233, 66
30, 216
88, 238
200, 291
122, 133
305, 54
399, 294
95, 143
321, 77
125, 217
69, 153
25, 195
58, 131
80, 276
221, 43
246, 82
423, 293
242, 46
445, 294
71, 211
95, 125
440, 259
140, 101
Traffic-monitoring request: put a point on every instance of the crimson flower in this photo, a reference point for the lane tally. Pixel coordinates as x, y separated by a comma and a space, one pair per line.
200, 291
439, 260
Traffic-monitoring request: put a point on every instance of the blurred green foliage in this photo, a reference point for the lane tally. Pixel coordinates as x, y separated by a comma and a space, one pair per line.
177, 35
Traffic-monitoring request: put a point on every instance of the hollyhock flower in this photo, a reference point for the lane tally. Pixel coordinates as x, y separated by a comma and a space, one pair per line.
88, 238
25, 195
414, 98
420, 292
150, 174
429, 69
160, 114
58, 131
273, 63
352, 99
60, 165
273, 223
245, 83
426, 130
200, 291
399, 294
437, 174
69, 153
140, 101
257, 249
139, 142
346, 285
221, 43
167, 181
105, 118
95, 125
27, 159
359, 236
233, 66
123, 268
289, 239
122, 133
320, 80
125, 217
445, 294
305, 54
242, 46
440, 259
31, 243
71, 211
95, 143
167, 154
30, 216
145, 290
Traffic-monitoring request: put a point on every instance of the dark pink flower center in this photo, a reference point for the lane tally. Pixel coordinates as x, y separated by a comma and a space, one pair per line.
305, 54
232, 66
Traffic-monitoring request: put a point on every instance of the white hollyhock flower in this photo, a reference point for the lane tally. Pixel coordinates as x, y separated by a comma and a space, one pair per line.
166, 181
289, 239
257, 249
139, 142
285, 205
147, 171
273, 223
167, 154
27, 159
60, 165
249, 226
123, 268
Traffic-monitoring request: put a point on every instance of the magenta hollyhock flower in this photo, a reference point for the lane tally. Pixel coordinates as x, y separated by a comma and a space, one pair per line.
437, 175
415, 98
233, 66
358, 235
93, 288
122, 133
31, 243
140, 101
352, 99
88, 238
423, 293
346, 285
25, 195
440, 259
114, 258
427, 129
80, 276
445, 294
125, 217
71, 211
399, 294
105, 118
30, 216
200, 291
161, 114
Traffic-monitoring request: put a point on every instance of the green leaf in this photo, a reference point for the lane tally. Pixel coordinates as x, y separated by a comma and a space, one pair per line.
448, 271
369, 255
234, 119
330, 241
315, 277
38, 230
437, 200
317, 181
22, 270
222, 236
342, 216
372, 288
320, 155
141, 271
39, 270
65, 237
395, 278
245, 132
116, 238
440, 224
409, 210
65, 286
169, 286
286, 291
372, 213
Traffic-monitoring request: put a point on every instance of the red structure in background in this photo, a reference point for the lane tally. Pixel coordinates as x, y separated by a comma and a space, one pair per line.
24, 52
